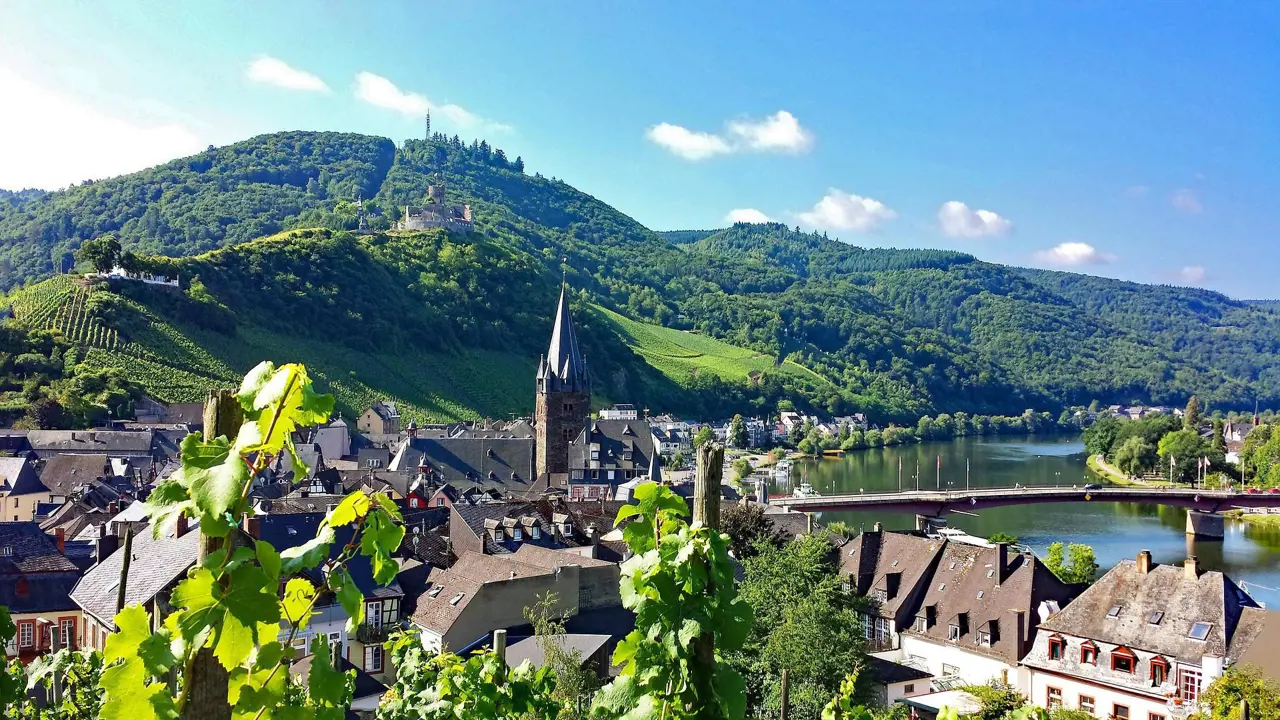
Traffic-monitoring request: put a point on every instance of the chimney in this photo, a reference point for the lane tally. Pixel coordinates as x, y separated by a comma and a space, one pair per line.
60, 536
180, 527
1002, 563
593, 534
808, 523
113, 508
878, 527
253, 526
106, 544
1019, 633
1191, 568
1144, 562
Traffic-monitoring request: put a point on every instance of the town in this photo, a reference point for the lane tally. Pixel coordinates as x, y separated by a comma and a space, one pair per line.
507, 517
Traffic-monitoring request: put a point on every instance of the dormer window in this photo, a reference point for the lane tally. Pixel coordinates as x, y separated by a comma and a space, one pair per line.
1159, 671
880, 595
953, 632
517, 534
535, 532
1057, 647
1123, 660
1088, 653
984, 638
922, 623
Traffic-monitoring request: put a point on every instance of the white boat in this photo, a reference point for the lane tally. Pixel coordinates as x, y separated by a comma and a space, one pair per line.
782, 471
805, 491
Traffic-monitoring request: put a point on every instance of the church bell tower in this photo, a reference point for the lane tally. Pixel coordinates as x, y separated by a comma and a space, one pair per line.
563, 394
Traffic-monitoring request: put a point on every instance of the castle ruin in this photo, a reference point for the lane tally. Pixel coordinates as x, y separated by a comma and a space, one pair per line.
436, 213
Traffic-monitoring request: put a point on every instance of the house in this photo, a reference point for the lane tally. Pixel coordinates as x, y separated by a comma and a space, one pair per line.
88, 505
189, 414
156, 565
621, 411
506, 527
480, 593
333, 439
382, 418
504, 464
672, 441
964, 613
20, 490
1143, 639
62, 474
891, 681
593, 651
608, 453
35, 584
373, 457
135, 445
759, 433
368, 690
382, 603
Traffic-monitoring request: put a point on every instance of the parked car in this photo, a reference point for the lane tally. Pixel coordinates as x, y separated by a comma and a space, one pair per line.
1251, 491
1274, 491
1093, 486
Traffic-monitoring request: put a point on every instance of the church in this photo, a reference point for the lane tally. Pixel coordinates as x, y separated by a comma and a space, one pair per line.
568, 452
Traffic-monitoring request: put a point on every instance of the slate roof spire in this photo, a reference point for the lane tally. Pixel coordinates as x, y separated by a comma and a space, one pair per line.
564, 370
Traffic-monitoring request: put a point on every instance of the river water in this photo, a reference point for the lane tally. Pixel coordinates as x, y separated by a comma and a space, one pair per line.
1115, 530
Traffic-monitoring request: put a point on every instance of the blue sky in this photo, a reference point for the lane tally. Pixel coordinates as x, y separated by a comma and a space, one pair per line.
1135, 140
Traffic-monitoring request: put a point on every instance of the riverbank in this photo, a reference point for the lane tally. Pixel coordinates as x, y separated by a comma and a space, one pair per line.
1114, 476
1267, 520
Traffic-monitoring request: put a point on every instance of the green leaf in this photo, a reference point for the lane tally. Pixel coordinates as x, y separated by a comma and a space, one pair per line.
298, 596
309, 554
250, 599
215, 477
129, 697
732, 691
134, 639
389, 506
165, 504
269, 559
625, 512
349, 596
352, 508
325, 683
277, 400
689, 631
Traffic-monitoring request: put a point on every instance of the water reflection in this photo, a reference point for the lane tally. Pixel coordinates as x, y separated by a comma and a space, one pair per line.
1115, 530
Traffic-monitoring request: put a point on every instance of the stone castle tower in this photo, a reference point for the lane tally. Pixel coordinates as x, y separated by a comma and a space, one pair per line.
563, 397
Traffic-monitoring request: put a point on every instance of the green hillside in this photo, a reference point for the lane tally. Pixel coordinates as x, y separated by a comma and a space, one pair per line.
895, 333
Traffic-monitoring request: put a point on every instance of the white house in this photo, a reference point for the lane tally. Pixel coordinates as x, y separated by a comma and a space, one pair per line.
622, 411
1143, 642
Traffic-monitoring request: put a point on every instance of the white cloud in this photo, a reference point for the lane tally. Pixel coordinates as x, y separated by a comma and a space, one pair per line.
1185, 201
839, 210
780, 132
1192, 274
1074, 254
379, 91
686, 143
56, 139
746, 215
958, 221
274, 71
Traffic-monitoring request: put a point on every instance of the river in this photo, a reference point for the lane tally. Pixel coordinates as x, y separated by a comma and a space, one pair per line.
1115, 530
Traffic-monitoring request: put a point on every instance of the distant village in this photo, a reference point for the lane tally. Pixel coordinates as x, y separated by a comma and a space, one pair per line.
500, 514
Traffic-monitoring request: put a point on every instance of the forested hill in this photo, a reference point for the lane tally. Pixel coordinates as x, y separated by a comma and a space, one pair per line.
897, 333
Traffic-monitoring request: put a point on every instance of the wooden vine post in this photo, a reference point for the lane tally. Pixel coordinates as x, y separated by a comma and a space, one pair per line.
706, 511
207, 697
786, 694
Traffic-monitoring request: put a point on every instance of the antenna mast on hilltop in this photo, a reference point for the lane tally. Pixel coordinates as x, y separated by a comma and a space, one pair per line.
428, 137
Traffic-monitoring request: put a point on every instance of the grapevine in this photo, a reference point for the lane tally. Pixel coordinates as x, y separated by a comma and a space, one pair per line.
229, 602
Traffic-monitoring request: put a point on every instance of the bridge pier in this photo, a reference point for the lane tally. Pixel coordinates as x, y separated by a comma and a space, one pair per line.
930, 523
1205, 524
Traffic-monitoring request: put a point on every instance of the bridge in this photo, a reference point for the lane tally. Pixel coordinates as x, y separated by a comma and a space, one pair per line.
1203, 506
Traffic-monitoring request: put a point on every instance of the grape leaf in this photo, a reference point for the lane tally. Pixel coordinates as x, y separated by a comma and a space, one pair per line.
298, 596
133, 639
269, 559
309, 554
352, 508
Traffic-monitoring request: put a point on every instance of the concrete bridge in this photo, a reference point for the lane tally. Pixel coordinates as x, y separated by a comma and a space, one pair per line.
1203, 506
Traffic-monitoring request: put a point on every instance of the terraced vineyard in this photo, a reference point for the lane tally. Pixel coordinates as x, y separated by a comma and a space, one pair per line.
61, 303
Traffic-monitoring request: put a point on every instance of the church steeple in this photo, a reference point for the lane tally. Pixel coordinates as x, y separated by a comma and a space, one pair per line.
564, 369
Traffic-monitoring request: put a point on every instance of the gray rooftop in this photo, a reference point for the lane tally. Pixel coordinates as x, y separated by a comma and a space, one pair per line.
156, 563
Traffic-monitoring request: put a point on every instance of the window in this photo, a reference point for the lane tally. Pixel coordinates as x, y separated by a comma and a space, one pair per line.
880, 595
1086, 704
300, 645
1155, 617
979, 594
373, 658
922, 623
991, 573
7, 550
1154, 716
1199, 631
1057, 646
953, 632
68, 632
909, 688
1189, 684
1053, 699
1114, 612
535, 532
456, 599
435, 591
950, 670
391, 610
1159, 671
26, 634
1121, 663
1120, 712
984, 638
518, 534
1089, 653
373, 614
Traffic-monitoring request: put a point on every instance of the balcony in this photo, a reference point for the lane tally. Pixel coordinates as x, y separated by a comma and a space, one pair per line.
369, 633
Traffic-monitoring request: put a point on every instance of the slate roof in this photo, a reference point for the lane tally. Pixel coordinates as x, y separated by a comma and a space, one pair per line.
888, 672
1262, 628
615, 438
508, 515
385, 410
502, 463
530, 648
25, 549
39, 592
551, 559
62, 474
1211, 597
87, 506
366, 685
191, 414
286, 531
872, 557
563, 369
18, 477
111, 442
465, 578
965, 581
155, 565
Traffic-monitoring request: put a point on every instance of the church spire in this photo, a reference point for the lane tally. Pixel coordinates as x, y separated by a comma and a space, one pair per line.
565, 369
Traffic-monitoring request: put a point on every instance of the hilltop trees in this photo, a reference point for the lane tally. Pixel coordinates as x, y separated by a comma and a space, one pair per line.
1192, 417
101, 253
1135, 455
1072, 564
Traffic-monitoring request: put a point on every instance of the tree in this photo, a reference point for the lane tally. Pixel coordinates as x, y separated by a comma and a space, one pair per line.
1183, 449
1135, 456
574, 684
130, 263
748, 529
704, 435
1219, 446
1192, 418
1079, 565
741, 468
1221, 700
1001, 537
102, 253
1101, 435
45, 414
737, 432
518, 166
678, 459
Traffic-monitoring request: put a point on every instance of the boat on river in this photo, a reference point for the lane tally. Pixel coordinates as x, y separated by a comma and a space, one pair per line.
805, 490
782, 471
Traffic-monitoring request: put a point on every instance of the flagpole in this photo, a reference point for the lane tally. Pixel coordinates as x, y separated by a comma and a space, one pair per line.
917, 474
899, 473
939, 472
966, 474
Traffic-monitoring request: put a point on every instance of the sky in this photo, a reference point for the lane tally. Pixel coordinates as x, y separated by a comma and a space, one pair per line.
1134, 140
